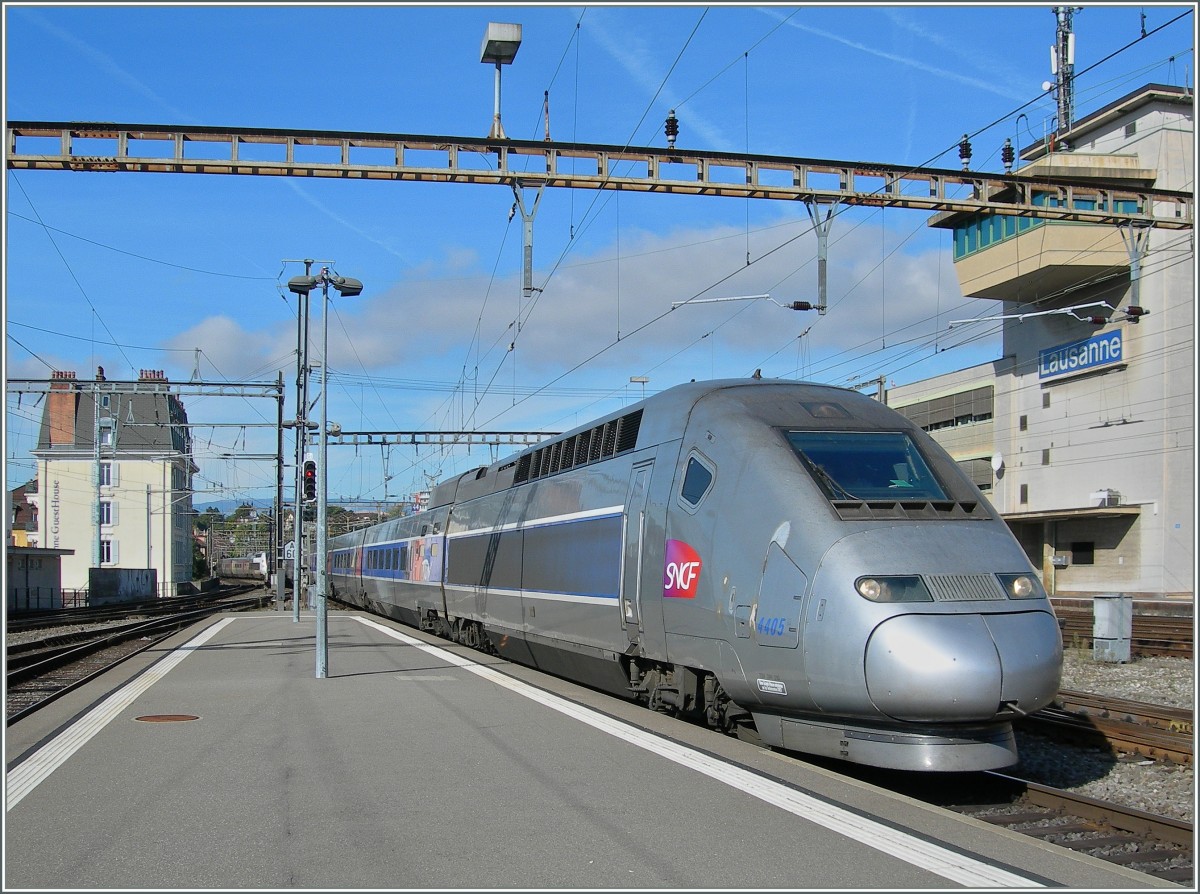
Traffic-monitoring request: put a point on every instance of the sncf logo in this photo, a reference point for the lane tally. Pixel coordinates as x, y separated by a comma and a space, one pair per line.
682, 573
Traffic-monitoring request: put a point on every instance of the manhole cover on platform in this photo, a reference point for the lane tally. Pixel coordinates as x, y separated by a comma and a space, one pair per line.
166, 718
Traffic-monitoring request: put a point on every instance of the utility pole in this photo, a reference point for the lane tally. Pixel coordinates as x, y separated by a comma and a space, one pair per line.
277, 541
301, 425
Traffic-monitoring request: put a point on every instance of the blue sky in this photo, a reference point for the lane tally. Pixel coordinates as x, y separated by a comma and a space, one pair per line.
141, 271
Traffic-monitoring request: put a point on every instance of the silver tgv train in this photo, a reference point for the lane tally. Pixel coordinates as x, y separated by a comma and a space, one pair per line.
795, 557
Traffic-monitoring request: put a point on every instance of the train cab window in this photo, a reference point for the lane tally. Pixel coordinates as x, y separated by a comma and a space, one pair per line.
696, 481
866, 465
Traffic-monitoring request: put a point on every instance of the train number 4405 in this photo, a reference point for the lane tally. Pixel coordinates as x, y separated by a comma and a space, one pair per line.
771, 626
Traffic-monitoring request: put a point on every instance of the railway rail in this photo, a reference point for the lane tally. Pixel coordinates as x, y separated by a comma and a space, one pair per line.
40, 671
1121, 725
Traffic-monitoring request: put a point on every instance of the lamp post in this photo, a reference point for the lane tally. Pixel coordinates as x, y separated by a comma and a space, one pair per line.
347, 287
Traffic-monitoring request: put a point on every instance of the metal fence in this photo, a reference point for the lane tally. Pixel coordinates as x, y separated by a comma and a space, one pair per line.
33, 599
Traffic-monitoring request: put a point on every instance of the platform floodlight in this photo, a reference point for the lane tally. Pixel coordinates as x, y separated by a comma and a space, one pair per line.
500, 44
302, 285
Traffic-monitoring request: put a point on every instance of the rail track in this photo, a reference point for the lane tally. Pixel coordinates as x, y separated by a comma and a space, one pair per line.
99, 614
1158, 846
1121, 725
39, 671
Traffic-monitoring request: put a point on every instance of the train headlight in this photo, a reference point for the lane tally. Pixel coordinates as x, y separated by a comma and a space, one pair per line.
1021, 586
908, 588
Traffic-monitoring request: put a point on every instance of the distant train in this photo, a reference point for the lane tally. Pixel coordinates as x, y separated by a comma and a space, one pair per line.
244, 568
793, 558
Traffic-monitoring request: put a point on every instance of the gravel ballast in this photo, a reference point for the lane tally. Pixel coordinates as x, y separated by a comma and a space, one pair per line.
1130, 780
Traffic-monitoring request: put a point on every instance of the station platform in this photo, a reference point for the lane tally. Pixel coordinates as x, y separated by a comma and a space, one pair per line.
217, 759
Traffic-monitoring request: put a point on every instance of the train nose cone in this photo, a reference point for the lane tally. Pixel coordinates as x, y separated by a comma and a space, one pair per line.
949, 668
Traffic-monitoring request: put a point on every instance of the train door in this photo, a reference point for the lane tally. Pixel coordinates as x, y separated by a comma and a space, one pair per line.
780, 601
635, 534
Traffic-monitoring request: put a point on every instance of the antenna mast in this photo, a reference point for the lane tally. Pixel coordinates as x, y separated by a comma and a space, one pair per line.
1062, 65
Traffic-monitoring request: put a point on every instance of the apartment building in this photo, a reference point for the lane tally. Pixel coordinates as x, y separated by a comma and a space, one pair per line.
115, 469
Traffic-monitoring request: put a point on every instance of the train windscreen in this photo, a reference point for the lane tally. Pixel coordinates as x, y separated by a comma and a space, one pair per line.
866, 465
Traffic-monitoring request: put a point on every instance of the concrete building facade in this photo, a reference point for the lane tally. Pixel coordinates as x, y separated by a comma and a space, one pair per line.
1087, 448
115, 479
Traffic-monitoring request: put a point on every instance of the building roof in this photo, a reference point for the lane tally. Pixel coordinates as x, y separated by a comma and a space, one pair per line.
1143, 95
37, 551
144, 416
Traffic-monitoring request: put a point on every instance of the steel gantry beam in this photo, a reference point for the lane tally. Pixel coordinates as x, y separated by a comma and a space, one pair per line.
75, 146
151, 386
439, 438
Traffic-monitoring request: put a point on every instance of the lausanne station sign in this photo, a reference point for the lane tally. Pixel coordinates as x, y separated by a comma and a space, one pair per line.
1082, 356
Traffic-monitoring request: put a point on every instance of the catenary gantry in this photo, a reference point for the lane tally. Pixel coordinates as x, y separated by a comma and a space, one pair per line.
80, 146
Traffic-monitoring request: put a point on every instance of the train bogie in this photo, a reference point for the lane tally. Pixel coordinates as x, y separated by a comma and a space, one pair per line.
795, 554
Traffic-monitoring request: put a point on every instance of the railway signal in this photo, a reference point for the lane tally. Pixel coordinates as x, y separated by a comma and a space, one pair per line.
310, 481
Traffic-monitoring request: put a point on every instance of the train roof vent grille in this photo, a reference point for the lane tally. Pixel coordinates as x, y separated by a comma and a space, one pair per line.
522, 473
627, 431
914, 510
963, 587
608, 439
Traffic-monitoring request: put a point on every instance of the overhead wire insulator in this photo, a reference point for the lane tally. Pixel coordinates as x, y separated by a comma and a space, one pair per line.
964, 152
1134, 312
671, 128
1008, 155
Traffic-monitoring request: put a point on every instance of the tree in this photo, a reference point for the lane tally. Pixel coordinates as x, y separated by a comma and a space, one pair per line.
209, 518
199, 563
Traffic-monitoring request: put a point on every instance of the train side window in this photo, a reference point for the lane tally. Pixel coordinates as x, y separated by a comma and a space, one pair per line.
697, 479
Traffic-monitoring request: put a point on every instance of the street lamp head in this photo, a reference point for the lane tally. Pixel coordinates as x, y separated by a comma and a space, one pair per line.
345, 285
302, 285
500, 43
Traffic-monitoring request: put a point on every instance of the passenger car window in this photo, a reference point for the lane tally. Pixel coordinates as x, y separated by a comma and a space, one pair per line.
866, 465
696, 481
